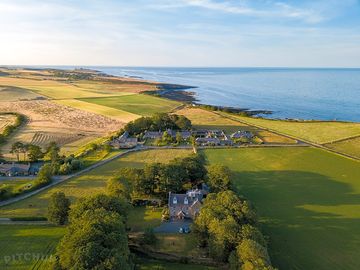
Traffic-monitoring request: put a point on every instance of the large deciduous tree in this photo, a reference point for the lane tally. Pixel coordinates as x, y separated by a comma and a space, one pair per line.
219, 177
58, 208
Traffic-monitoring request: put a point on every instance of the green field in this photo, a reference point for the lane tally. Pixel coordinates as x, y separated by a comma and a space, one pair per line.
27, 246
350, 146
308, 201
117, 114
318, 132
147, 264
88, 184
139, 104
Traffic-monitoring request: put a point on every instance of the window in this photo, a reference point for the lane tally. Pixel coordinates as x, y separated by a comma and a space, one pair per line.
186, 201
174, 200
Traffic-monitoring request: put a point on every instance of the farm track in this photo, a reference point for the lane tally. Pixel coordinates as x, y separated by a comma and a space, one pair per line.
294, 138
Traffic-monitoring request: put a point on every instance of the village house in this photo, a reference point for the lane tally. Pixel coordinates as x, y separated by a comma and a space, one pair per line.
158, 134
240, 134
14, 169
207, 141
153, 134
185, 206
124, 141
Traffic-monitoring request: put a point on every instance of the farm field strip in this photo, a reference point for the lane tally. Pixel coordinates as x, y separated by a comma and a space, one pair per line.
54, 89
348, 146
117, 114
308, 201
6, 120
316, 132
139, 104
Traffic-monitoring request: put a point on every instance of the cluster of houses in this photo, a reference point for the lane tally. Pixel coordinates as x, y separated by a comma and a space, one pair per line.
218, 137
188, 205
203, 137
185, 134
124, 141
18, 169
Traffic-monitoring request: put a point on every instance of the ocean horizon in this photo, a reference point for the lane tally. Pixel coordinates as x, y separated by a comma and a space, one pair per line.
290, 93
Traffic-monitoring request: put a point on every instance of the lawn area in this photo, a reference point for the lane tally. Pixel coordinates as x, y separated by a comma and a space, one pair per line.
27, 246
90, 183
117, 114
178, 244
139, 104
308, 201
141, 218
318, 132
148, 264
350, 146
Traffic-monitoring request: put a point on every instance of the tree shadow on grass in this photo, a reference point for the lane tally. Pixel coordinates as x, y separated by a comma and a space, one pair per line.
312, 220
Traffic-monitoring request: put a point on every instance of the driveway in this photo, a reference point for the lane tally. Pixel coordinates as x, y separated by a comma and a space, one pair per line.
172, 226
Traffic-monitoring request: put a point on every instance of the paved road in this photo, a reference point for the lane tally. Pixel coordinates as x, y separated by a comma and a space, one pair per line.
8, 221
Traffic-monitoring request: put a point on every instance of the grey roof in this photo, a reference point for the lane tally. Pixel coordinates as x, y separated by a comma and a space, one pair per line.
14, 168
242, 134
208, 140
153, 134
183, 199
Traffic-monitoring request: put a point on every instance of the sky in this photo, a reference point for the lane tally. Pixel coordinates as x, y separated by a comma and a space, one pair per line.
231, 33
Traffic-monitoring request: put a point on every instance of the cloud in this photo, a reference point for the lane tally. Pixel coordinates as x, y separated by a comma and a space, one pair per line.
267, 9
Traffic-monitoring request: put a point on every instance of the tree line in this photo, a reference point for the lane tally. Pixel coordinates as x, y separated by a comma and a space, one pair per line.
160, 121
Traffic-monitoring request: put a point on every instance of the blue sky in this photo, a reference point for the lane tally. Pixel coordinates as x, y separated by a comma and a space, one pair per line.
308, 33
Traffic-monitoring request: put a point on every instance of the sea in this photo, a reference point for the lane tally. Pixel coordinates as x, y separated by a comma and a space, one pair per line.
289, 93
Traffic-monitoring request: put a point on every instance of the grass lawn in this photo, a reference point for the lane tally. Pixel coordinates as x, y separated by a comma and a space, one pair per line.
27, 246
350, 146
139, 104
318, 132
90, 183
117, 114
308, 201
148, 264
178, 244
141, 218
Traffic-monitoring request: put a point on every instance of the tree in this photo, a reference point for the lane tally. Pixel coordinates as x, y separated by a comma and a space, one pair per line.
194, 166
219, 224
218, 177
65, 168
17, 148
100, 201
149, 237
178, 138
95, 240
119, 187
252, 255
52, 152
44, 175
34, 152
166, 137
58, 208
